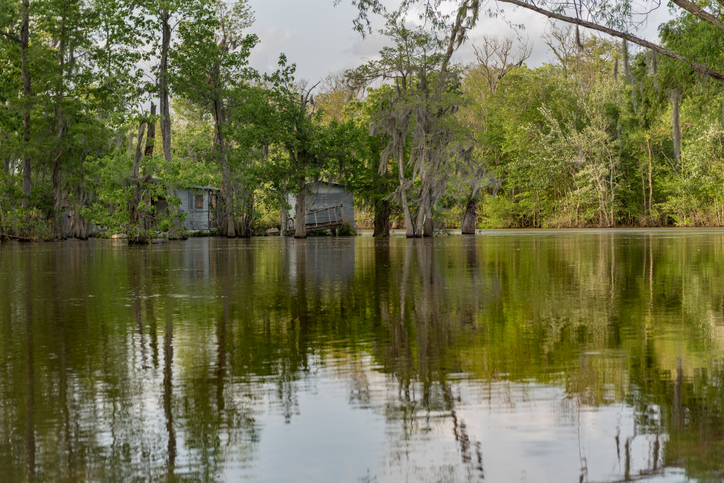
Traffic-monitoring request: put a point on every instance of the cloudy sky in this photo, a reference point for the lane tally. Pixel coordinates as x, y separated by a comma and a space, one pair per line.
318, 37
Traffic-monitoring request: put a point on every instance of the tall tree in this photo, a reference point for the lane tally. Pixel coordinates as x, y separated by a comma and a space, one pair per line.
210, 65
16, 28
419, 111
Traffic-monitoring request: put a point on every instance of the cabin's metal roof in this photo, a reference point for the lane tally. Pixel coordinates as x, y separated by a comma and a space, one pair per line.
208, 188
187, 187
343, 186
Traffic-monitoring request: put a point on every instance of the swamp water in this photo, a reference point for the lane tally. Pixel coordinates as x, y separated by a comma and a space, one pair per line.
511, 356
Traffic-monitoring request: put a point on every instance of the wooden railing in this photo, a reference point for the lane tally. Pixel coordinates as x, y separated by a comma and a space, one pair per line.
335, 217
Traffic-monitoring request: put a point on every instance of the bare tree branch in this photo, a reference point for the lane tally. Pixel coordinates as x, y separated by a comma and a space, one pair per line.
699, 12
622, 35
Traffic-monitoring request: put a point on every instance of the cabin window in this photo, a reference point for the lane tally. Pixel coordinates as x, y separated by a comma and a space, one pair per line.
199, 202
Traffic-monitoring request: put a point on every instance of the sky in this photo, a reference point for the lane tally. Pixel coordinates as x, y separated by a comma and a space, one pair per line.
319, 37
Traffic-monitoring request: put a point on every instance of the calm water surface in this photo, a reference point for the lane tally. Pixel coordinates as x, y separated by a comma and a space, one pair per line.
505, 357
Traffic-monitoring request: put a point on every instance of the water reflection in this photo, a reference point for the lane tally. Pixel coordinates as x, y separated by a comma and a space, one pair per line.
590, 356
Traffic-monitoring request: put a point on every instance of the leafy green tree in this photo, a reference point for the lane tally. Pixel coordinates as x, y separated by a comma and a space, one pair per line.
313, 150
72, 92
495, 59
416, 117
15, 26
210, 67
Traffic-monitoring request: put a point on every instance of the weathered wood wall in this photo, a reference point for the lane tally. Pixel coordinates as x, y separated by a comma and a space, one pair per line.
197, 218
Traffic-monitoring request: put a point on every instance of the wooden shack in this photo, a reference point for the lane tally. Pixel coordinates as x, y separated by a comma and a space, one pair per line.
199, 202
328, 205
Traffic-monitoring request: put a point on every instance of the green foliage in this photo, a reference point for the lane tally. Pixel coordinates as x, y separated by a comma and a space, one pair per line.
346, 230
572, 147
561, 145
695, 195
118, 197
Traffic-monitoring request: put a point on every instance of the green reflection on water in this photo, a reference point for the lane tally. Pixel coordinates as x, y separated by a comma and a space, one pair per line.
178, 362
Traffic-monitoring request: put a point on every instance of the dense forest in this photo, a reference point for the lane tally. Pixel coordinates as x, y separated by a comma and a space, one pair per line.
107, 107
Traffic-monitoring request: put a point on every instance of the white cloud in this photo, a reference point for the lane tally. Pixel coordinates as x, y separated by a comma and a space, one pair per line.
319, 38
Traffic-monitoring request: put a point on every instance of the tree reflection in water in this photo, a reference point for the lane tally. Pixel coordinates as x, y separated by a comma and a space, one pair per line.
579, 355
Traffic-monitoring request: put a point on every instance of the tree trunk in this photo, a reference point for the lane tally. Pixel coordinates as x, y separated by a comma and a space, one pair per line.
144, 221
176, 232
151, 137
136, 168
615, 71
79, 227
424, 225
247, 216
409, 227
57, 225
626, 67
225, 180
675, 98
651, 185
383, 209
470, 217
177, 229
655, 66
135, 214
300, 221
58, 228
428, 228
163, 85
284, 215
6, 162
24, 46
